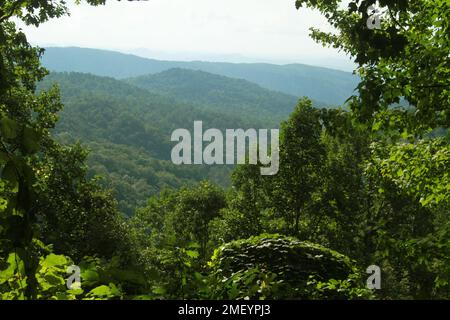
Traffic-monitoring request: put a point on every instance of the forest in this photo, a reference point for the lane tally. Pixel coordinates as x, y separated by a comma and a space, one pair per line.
86, 179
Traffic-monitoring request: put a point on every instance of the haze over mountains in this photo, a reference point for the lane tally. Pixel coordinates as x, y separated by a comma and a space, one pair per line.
329, 86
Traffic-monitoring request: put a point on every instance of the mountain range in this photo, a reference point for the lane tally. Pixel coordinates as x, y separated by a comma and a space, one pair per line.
331, 87
124, 108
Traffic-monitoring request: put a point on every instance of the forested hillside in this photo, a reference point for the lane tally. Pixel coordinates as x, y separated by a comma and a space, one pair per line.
108, 109
222, 94
128, 130
127, 125
330, 86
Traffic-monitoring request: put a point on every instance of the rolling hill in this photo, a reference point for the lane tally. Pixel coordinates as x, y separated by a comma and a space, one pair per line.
330, 86
219, 93
124, 109
128, 128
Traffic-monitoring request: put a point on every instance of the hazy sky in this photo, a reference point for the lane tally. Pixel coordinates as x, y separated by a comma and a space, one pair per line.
231, 30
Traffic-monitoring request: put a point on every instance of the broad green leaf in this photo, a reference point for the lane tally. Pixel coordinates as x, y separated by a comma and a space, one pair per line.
53, 260
101, 291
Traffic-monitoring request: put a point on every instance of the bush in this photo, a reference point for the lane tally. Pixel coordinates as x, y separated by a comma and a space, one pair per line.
280, 267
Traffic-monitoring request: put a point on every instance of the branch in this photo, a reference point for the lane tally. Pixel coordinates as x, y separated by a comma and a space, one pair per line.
396, 22
16, 5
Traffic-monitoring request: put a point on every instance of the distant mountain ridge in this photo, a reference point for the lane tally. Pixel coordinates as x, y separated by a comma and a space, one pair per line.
330, 86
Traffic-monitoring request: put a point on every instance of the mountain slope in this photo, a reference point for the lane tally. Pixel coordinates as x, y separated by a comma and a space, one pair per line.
222, 94
332, 87
128, 131
112, 110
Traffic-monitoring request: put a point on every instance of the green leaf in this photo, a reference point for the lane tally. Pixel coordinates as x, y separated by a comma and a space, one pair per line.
192, 254
159, 290
30, 140
53, 260
15, 265
114, 290
101, 291
90, 275
75, 292
8, 128
10, 174
54, 279
193, 245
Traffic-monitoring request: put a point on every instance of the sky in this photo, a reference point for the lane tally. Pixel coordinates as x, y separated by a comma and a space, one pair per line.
229, 30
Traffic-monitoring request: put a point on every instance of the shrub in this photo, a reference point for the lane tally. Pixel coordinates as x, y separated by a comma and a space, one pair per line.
280, 267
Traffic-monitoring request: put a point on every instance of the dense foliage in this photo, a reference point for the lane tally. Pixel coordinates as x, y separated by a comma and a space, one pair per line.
285, 263
367, 186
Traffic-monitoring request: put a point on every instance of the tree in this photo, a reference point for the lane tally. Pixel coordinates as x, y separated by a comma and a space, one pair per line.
410, 219
25, 121
195, 209
301, 156
338, 211
403, 95
77, 215
35, 12
407, 58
